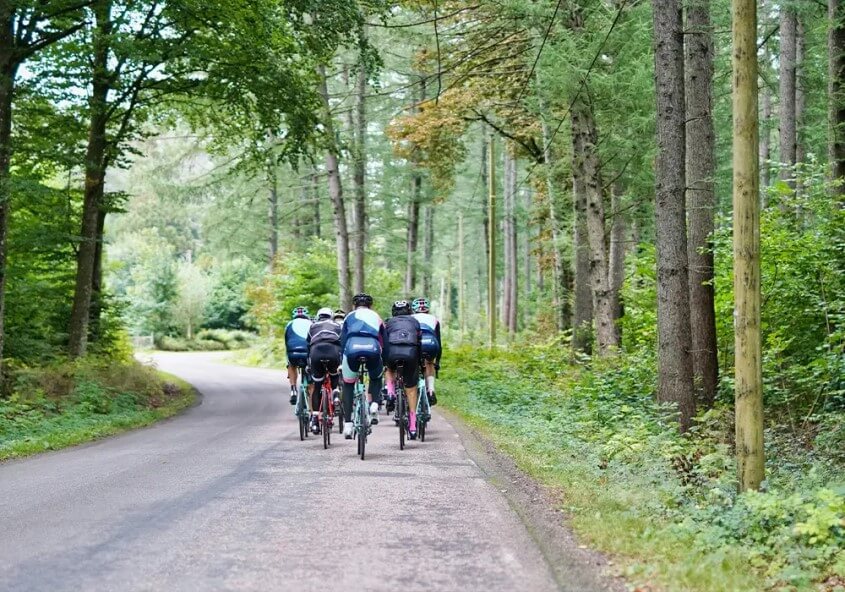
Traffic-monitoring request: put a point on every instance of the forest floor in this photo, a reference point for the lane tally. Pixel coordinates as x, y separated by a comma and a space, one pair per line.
67, 405
663, 508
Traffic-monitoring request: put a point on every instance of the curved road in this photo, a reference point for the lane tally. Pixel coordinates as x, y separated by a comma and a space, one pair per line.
226, 497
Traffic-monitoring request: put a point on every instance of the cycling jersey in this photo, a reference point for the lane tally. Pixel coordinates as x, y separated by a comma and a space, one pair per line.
296, 335
430, 328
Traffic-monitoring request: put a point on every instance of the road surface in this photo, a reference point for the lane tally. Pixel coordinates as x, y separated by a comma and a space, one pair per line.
226, 497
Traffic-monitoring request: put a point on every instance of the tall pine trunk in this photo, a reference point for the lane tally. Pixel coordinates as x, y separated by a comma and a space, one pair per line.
428, 248
95, 170
557, 259
786, 98
273, 214
413, 232
336, 196
586, 159
616, 254
701, 197
836, 92
582, 313
675, 382
359, 175
8, 72
746, 247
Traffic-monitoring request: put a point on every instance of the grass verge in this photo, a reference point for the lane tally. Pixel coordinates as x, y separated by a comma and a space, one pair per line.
664, 506
72, 403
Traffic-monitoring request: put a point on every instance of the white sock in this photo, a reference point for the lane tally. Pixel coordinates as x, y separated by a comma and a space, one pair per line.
429, 383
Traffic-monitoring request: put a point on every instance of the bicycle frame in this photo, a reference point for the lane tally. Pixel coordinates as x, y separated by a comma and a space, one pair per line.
360, 408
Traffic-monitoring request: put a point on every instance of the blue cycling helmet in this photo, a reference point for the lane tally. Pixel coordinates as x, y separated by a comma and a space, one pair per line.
420, 305
300, 312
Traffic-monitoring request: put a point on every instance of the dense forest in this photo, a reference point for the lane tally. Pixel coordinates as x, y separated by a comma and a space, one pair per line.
629, 217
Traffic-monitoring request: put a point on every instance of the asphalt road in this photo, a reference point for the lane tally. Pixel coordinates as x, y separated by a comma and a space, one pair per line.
226, 497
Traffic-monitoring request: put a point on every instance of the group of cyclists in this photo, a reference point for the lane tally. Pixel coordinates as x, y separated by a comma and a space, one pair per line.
333, 342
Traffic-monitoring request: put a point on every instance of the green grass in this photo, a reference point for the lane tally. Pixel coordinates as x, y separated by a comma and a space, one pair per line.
663, 506
71, 404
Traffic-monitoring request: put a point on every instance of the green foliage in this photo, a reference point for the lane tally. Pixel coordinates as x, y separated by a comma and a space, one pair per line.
635, 487
68, 403
298, 279
803, 255
227, 306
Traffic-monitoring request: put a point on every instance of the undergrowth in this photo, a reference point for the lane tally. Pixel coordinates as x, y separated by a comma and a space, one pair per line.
665, 504
69, 403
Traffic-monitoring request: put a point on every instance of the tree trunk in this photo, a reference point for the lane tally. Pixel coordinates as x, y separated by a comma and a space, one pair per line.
491, 242
336, 196
557, 260
701, 198
359, 175
800, 95
586, 160
315, 196
509, 303
836, 92
484, 184
413, 231
462, 322
617, 252
765, 139
95, 170
8, 72
97, 280
786, 98
428, 248
273, 214
746, 228
582, 319
675, 383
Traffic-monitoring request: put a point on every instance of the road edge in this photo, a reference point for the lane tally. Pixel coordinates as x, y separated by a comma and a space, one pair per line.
575, 567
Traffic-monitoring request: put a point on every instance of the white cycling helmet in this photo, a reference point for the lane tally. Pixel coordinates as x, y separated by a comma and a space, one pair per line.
324, 313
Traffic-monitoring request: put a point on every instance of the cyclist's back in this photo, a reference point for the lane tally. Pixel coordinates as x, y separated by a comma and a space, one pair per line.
430, 342
362, 337
296, 346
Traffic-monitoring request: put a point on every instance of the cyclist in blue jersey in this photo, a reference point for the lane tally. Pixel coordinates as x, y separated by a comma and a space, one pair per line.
431, 343
362, 336
296, 346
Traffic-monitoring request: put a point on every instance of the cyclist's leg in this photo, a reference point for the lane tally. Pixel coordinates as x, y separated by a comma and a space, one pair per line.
292, 378
350, 377
411, 377
375, 368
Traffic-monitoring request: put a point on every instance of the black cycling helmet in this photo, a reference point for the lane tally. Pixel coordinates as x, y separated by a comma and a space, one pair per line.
362, 299
339, 315
401, 307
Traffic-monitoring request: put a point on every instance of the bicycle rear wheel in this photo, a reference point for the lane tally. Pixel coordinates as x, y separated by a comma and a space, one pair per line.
362, 436
302, 427
401, 404
324, 406
421, 429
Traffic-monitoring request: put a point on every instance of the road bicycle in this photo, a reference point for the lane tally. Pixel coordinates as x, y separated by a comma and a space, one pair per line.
303, 405
361, 409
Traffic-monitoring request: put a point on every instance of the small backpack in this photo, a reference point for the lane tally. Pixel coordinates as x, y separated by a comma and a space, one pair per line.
402, 331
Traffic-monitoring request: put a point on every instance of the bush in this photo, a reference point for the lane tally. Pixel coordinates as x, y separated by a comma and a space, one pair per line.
176, 344
228, 339
71, 402
638, 488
